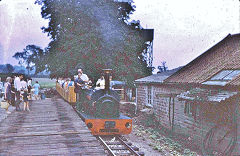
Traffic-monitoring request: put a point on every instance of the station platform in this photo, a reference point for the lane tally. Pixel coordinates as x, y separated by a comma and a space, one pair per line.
52, 127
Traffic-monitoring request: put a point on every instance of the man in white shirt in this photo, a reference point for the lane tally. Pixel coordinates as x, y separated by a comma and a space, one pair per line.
84, 77
17, 83
29, 82
23, 84
100, 84
18, 86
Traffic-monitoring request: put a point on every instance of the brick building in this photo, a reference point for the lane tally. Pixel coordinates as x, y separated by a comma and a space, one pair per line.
201, 100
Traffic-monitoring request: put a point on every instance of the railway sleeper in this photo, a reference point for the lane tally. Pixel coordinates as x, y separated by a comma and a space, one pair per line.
118, 148
122, 152
113, 143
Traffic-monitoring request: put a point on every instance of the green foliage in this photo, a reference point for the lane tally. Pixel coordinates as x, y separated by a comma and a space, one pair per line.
45, 82
32, 56
88, 35
162, 143
149, 120
8, 68
48, 85
153, 136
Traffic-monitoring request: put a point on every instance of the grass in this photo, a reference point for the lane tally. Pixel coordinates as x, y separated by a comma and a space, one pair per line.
45, 82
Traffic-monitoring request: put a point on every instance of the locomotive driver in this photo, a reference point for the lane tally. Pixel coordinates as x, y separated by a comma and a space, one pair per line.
78, 83
81, 88
84, 77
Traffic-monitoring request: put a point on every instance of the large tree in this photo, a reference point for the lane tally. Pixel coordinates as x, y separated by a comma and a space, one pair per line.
32, 56
89, 34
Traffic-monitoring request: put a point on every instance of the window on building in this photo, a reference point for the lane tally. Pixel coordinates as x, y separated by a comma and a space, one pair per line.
150, 96
129, 93
191, 109
223, 77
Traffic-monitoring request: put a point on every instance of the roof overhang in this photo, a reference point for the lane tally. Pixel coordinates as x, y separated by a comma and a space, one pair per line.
206, 95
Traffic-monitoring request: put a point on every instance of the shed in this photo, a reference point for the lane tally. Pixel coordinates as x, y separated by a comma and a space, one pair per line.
201, 100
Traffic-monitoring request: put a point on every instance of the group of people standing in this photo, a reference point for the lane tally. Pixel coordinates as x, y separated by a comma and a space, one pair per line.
17, 88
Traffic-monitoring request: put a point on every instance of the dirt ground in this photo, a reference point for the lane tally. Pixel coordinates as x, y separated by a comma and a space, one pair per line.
153, 143
143, 144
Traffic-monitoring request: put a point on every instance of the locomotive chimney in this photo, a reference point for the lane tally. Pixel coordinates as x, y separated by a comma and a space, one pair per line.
107, 81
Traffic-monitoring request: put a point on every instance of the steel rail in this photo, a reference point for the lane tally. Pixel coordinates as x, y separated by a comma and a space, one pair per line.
106, 146
121, 142
128, 147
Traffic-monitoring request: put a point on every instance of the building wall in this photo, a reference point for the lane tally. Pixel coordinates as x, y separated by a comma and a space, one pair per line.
141, 96
184, 123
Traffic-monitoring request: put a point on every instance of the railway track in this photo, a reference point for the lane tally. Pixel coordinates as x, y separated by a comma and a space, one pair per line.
116, 146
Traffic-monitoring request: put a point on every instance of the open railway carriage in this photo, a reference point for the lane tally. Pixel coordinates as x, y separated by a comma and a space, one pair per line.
100, 109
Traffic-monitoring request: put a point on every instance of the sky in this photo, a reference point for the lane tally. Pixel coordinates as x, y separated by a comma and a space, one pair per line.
187, 28
20, 25
182, 29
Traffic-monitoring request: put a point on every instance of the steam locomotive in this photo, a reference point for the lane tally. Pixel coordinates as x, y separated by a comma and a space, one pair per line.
100, 109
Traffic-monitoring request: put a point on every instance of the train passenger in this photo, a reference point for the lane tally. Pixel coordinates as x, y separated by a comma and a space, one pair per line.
79, 83
65, 84
90, 84
84, 77
100, 84
60, 81
70, 82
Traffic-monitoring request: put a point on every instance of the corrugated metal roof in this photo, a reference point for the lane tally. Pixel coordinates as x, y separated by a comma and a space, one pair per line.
114, 83
199, 94
157, 78
126, 1
218, 83
235, 81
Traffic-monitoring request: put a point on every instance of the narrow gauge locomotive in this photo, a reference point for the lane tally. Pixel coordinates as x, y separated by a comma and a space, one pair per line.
100, 109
